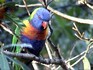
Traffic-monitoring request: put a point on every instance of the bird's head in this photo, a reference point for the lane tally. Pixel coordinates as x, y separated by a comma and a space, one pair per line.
40, 18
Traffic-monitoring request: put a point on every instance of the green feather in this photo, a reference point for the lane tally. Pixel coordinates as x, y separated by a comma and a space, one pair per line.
33, 13
2, 1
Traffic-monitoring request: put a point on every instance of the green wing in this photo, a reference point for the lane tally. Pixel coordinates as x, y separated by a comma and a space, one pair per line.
33, 13
2, 1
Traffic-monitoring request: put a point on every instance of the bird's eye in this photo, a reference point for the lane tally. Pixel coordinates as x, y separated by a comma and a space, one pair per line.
42, 28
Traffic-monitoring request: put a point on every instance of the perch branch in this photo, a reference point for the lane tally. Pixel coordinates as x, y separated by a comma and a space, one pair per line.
35, 58
32, 56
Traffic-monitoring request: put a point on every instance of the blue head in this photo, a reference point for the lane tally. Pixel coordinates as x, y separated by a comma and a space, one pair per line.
40, 18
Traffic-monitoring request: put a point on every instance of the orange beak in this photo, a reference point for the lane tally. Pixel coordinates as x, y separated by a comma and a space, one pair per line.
44, 24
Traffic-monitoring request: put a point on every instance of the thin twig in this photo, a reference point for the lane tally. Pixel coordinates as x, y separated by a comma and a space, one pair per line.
86, 51
72, 50
63, 15
80, 35
76, 29
48, 66
30, 5
77, 61
50, 1
75, 57
81, 54
24, 1
49, 53
6, 28
48, 50
91, 7
63, 65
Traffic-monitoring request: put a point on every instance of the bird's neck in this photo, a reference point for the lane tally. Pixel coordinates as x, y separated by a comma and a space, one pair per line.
33, 33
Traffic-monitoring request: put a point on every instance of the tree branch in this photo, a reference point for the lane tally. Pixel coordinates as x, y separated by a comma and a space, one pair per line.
24, 1
80, 35
75, 19
86, 51
63, 65
35, 58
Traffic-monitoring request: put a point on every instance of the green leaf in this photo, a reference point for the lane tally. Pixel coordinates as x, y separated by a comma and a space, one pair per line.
2, 1
10, 4
67, 28
15, 40
18, 49
24, 67
86, 64
4, 63
33, 13
15, 20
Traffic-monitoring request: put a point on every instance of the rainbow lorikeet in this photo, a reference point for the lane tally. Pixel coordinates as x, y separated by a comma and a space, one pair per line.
36, 30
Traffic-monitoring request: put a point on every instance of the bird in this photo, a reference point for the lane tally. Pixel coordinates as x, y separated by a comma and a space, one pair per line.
35, 31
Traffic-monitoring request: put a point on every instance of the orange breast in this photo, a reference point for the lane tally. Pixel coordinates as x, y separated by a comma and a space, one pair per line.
32, 33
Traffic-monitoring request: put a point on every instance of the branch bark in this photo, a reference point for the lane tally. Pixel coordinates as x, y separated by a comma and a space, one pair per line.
35, 58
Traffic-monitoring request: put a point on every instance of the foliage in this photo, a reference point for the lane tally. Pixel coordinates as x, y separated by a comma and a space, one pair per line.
63, 34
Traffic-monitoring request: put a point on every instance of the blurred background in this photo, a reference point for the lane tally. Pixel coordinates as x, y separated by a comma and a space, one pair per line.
63, 34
